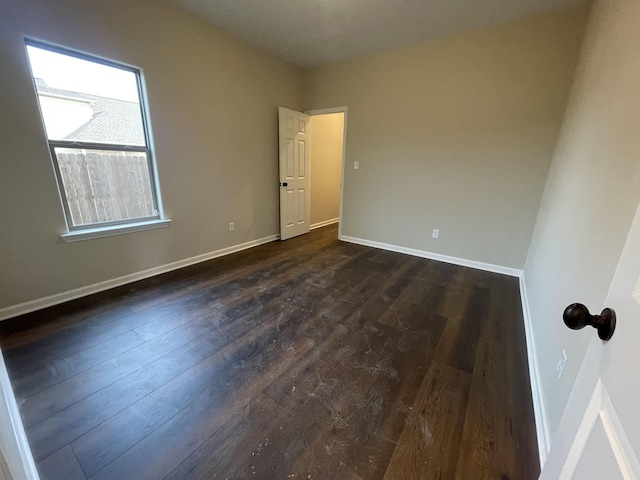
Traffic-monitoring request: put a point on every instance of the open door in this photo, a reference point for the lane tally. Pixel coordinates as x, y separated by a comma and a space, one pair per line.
603, 412
294, 173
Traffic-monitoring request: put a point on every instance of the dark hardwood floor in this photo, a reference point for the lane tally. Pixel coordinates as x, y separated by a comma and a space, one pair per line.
304, 359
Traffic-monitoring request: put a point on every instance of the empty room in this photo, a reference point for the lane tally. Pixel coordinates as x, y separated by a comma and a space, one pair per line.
309, 239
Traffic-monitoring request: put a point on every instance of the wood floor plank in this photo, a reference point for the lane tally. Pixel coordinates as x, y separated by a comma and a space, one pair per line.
43, 325
293, 455
483, 425
62, 464
152, 457
522, 437
492, 420
431, 436
56, 398
310, 358
341, 395
522, 413
134, 423
239, 447
231, 366
48, 339
353, 390
408, 352
34, 377
64, 427
416, 349
416, 300
462, 352
338, 326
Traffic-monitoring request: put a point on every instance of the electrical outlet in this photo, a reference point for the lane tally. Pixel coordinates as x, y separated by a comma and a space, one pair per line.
436, 233
356, 165
232, 227
561, 364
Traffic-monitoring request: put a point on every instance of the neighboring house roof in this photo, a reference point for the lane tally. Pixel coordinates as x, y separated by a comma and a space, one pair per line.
114, 121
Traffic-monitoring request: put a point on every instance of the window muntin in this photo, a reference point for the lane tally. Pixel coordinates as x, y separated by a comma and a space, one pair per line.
94, 119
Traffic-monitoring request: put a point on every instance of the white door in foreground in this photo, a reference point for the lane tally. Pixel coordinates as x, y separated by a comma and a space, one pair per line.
294, 173
607, 392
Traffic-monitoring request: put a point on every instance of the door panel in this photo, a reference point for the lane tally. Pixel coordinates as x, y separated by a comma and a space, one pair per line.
597, 457
289, 160
302, 159
289, 207
294, 168
301, 205
601, 448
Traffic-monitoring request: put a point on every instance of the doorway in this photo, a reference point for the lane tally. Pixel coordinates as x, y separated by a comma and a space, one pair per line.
327, 155
312, 156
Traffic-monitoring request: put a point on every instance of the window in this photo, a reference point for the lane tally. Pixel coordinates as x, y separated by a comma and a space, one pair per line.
95, 123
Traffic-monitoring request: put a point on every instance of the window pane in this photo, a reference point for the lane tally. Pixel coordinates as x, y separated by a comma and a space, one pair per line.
105, 186
85, 101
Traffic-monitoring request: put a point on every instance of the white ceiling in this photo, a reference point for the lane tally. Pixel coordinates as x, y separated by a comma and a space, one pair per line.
309, 33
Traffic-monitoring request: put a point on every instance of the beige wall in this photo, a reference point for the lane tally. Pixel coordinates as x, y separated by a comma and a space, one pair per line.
590, 197
213, 108
326, 166
455, 134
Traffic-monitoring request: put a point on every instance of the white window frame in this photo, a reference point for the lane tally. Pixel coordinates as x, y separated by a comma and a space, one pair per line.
104, 229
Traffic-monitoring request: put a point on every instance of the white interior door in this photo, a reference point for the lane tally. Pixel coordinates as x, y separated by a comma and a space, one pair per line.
607, 439
294, 173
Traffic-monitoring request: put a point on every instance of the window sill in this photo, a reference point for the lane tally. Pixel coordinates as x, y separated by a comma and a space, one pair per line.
100, 232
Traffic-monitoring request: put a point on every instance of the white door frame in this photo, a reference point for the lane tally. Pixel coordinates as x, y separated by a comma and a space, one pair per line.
13, 439
325, 111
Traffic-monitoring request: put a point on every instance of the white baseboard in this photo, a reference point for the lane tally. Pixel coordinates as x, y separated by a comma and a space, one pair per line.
324, 224
13, 438
537, 393
33, 305
512, 272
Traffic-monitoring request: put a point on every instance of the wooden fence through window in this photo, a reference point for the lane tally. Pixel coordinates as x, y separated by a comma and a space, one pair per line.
105, 186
